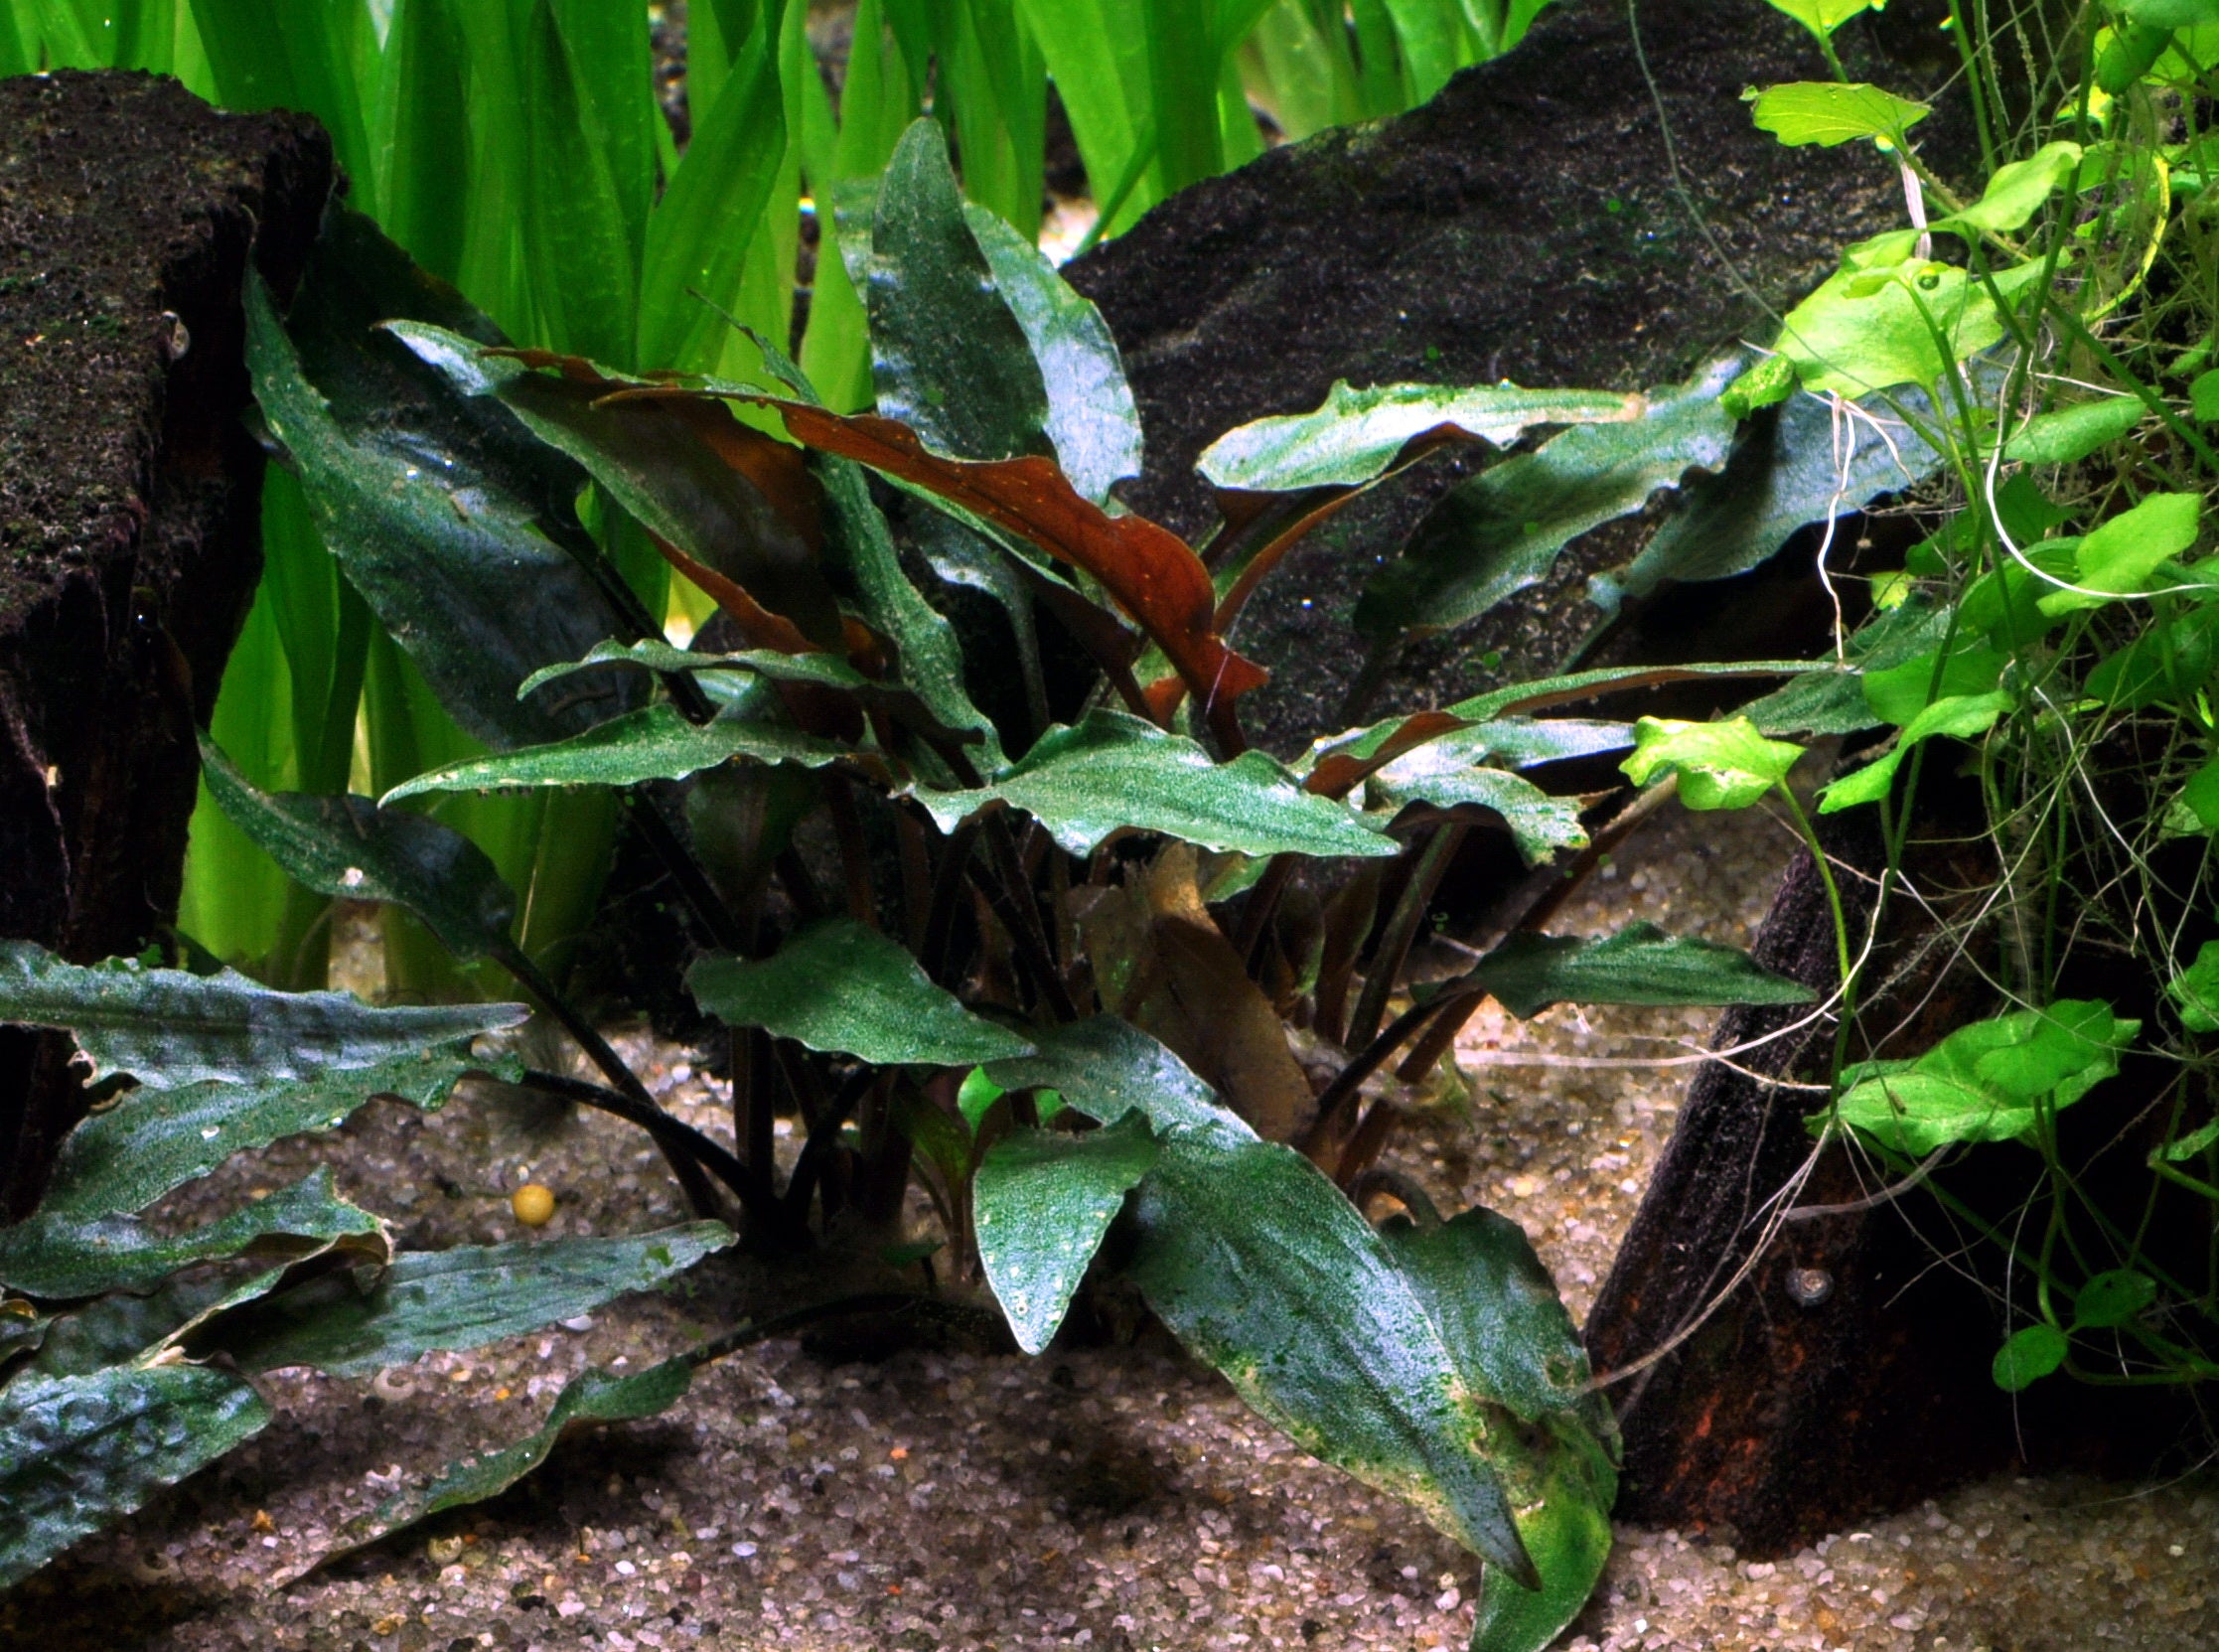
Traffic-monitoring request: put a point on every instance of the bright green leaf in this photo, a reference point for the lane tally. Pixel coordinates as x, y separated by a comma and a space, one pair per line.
839, 985
1114, 771
2029, 1356
168, 1029
977, 1096
1720, 765
1985, 1082
2016, 192
2203, 396
1262, 1268
1823, 17
2067, 435
2195, 990
1092, 419
2118, 557
2109, 1301
1826, 112
1041, 1202
1961, 716
1356, 434
80, 1453
1640, 964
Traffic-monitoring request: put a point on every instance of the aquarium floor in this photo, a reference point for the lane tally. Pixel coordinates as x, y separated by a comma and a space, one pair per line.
1114, 1498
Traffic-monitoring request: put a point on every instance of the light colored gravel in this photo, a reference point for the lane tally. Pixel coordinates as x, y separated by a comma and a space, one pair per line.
1111, 1499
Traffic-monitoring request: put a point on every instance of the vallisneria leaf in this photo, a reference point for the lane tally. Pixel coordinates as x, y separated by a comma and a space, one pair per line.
1640, 964
78, 1452
592, 1396
1041, 1202
1501, 532
1720, 765
655, 742
1114, 771
839, 985
1356, 434
351, 850
455, 1299
1828, 112
168, 1029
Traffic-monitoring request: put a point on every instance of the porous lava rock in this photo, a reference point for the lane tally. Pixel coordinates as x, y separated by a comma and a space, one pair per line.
1584, 211
129, 506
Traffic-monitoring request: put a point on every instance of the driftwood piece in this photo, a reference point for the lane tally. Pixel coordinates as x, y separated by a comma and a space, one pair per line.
130, 507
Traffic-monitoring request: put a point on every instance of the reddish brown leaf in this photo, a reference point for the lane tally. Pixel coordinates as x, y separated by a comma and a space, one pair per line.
1151, 571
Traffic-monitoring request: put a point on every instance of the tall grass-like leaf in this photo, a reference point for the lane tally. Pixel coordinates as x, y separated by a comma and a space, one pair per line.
697, 236
422, 134
585, 265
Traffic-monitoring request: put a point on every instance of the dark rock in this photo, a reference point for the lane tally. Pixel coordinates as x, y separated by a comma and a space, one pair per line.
1527, 224
129, 506
1847, 1375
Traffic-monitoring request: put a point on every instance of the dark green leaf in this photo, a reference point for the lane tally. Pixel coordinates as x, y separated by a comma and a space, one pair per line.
439, 536
655, 742
115, 1329
948, 356
350, 848
77, 1452
455, 1299
1507, 1329
168, 1029
1355, 435
1640, 964
1263, 1270
2029, 1356
659, 459
928, 658
593, 1396
1788, 469
58, 1256
1106, 1067
1440, 774
1830, 699
1115, 771
1501, 532
2109, 1301
1041, 1202
151, 1141
1092, 419
837, 985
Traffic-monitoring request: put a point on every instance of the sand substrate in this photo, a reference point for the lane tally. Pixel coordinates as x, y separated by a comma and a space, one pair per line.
1114, 1498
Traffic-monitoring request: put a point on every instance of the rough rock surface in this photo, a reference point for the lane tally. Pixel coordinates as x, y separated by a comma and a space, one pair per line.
1527, 224
130, 495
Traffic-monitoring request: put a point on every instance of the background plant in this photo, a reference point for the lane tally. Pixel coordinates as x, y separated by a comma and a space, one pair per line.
516, 148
